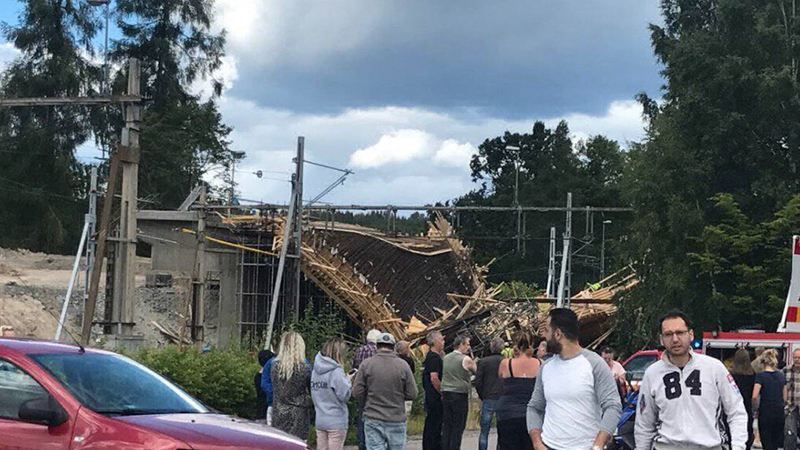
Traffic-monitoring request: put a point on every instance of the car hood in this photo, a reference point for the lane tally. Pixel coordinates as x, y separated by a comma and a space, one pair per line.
217, 431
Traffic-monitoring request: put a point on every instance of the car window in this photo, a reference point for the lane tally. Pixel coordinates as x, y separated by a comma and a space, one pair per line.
114, 385
636, 366
16, 388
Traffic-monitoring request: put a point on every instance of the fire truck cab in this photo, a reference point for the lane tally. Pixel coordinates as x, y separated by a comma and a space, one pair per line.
722, 345
786, 340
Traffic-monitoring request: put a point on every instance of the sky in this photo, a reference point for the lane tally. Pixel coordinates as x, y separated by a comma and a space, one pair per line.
402, 92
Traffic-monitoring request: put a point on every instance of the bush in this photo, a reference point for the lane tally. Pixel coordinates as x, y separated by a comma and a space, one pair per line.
316, 328
222, 379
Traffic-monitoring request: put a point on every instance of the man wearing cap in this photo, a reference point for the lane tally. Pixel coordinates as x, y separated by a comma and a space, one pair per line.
382, 384
362, 353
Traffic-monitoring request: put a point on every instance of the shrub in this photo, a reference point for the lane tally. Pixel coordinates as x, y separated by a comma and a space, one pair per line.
222, 379
316, 328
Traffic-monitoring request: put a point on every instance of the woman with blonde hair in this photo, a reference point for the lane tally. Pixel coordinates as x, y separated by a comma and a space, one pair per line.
291, 387
768, 401
330, 390
744, 376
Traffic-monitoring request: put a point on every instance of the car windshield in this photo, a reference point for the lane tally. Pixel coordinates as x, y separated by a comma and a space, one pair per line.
638, 365
117, 386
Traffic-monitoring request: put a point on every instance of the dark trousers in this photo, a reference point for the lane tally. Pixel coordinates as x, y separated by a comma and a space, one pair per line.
512, 434
432, 433
790, 430
455, 409
770, 428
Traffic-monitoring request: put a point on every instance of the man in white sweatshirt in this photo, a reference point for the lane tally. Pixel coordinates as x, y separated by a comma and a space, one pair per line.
682, 397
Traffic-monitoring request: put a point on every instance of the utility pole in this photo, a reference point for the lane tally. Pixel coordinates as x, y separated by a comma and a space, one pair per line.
551, 265
516, 203
102, 234
198, 297
276, 288
298, 222
125, 257
603, 250
568, 247
91, 219
566, 261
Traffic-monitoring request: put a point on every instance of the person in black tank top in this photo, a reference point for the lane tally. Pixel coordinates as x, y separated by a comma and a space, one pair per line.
768, 395
512, 430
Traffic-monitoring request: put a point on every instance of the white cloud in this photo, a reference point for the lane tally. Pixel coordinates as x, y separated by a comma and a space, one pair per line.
454, 154
396, 147
406, 145
399, 154
228, 73
622, 121
7, 54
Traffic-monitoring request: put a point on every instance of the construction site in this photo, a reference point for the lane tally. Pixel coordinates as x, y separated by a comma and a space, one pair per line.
407, 285
224, 275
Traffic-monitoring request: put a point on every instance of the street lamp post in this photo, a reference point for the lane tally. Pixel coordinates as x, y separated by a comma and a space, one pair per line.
516, 195
603, 250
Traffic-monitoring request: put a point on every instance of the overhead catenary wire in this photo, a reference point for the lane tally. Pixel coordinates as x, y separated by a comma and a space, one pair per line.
231, 244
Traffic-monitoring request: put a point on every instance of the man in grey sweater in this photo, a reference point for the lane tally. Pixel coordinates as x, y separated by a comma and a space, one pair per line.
383, 383
575, 404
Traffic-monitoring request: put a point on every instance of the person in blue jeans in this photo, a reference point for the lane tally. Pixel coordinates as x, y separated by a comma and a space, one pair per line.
382, 384
489, 387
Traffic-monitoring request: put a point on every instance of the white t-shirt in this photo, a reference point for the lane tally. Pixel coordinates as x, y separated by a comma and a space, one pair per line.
573, 400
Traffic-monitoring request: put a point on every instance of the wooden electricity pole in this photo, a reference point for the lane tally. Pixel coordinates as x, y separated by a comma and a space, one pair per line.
119, 309
126, 160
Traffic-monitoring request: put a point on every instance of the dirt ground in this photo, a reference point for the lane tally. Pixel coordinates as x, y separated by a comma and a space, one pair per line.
32, 288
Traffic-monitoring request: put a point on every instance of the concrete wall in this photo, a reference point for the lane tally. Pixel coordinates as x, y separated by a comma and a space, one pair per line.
173, 254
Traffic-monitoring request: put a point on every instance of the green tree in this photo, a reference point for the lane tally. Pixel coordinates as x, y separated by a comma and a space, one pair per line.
719, 162
745, 263
183, 136
40, 179
550, 165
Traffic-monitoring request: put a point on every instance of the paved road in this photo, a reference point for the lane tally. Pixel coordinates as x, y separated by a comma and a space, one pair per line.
470, 441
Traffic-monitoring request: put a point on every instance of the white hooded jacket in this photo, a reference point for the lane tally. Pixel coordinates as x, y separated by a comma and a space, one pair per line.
682, 408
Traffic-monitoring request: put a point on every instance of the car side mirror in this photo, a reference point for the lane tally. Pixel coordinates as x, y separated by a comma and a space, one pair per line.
629, 376
43, 410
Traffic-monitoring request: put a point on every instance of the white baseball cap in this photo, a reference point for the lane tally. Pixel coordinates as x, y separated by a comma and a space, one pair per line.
386, 338
373, 335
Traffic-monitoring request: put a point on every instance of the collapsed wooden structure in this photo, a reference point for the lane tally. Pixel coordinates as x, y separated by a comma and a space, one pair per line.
411, 285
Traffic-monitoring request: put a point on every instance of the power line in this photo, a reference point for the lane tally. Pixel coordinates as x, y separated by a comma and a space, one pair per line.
40, 194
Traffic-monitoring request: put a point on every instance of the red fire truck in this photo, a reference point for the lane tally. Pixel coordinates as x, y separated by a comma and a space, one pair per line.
722, 345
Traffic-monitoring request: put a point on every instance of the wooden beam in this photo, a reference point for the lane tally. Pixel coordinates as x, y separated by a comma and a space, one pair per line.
68, 101
100, 253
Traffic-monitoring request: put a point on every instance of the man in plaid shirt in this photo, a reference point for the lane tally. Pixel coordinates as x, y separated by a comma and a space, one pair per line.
365, 351
792, 395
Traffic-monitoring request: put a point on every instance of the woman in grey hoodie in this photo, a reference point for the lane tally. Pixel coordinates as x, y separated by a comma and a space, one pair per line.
330, 390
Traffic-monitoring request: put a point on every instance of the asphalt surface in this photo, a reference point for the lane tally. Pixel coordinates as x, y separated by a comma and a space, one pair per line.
469, 442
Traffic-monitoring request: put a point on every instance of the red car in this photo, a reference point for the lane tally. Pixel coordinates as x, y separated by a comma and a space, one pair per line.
57, 396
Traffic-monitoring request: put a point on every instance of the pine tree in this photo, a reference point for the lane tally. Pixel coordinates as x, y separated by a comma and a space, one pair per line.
41, 182
183, 137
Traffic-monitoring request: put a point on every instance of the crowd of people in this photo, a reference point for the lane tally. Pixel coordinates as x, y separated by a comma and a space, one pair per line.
544, 392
